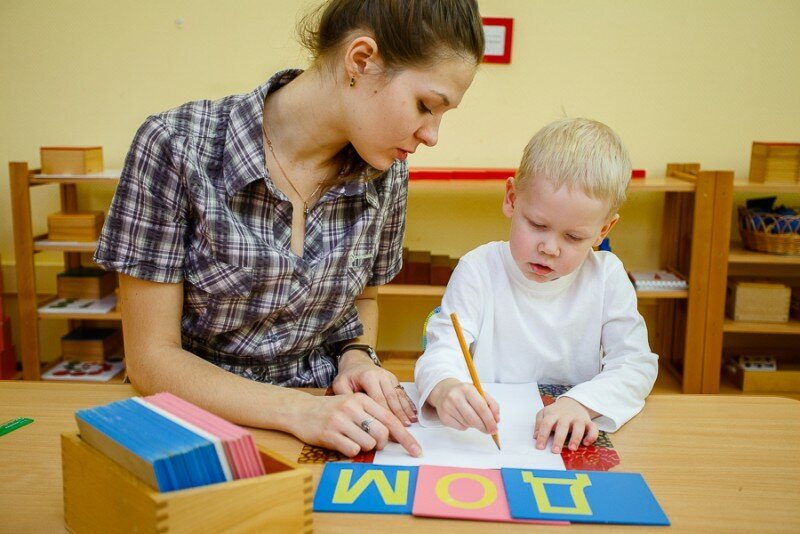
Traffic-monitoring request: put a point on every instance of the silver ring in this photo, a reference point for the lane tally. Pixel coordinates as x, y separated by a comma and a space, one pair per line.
400, 387
365, 424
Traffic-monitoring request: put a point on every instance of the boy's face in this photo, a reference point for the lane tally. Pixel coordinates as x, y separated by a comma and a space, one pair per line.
552, 231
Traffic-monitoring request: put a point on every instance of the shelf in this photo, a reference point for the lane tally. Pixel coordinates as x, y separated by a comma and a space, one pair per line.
404, 290
409, 290
738, 254
792, 327
108, 176
677, 294
118, 378
113, 315
637, 184
661, 184
64, 246
769, 187
727, 387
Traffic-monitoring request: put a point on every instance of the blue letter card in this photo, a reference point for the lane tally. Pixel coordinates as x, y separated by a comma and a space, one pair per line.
581, 497
366, 488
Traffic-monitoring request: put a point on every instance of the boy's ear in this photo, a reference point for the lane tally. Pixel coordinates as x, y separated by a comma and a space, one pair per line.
510, 198
362, 57
606, 229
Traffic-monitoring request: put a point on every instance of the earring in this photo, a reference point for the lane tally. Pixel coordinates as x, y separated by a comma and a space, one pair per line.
352, 81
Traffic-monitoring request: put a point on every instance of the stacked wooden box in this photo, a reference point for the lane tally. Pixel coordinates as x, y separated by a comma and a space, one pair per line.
423, 268
89, 343
85, 283
759, 302
786, 378
71, 159
775, 162
81, 227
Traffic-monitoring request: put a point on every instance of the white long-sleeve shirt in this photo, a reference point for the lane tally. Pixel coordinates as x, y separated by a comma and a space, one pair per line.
582, 329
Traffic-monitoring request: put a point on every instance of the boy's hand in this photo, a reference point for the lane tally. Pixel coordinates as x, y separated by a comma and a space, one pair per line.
565, 416
460, 406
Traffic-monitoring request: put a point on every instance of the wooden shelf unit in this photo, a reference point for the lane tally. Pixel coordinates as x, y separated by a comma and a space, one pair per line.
682, 321
26, 245
688, 227
738, 261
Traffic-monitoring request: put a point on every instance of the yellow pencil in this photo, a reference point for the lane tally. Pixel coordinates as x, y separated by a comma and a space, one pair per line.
472, 372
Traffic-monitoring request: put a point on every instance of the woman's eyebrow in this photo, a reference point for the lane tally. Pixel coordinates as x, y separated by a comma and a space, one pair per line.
443, 97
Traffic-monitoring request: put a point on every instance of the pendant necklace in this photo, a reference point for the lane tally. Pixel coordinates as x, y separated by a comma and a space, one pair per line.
275, 157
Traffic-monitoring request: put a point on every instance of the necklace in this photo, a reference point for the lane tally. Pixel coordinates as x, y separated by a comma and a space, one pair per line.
275, 157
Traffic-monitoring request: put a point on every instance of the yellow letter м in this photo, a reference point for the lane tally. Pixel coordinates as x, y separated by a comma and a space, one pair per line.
347, 494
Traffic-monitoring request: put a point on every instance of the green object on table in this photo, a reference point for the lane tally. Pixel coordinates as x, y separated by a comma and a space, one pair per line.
14, 424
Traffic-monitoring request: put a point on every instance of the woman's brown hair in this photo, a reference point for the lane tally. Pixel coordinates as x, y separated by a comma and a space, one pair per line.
409, 33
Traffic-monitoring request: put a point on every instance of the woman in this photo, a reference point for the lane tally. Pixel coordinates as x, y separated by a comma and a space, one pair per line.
251, 233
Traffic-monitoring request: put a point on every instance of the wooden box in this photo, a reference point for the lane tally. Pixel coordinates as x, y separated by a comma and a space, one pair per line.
91, 344
400, 278
440, 270
785, 379
85, 283
71, 159
418, 267
85, 226
102, 496
794, 303
775, 162
758, 302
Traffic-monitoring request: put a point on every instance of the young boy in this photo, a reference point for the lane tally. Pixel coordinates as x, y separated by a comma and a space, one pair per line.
545, 306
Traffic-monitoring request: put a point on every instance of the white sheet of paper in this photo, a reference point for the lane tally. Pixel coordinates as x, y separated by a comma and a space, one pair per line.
444, 446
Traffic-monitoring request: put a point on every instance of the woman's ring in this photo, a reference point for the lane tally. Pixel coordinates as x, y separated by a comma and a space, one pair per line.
365, 424
400, 387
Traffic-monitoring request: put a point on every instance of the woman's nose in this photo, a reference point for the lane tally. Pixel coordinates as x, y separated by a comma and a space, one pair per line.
428, 134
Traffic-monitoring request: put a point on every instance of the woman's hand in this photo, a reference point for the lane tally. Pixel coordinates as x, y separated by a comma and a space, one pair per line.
460, 406
358, 373
350, 424
565, 416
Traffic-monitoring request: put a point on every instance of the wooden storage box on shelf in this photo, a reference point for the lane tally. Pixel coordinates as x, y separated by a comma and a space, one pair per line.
418, 267
759, 302
440, 269
91, 344
785, 379
102, 496
83, 226
85, 283
775, 162
71, 159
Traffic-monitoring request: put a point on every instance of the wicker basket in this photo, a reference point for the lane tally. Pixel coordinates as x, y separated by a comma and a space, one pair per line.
769, 232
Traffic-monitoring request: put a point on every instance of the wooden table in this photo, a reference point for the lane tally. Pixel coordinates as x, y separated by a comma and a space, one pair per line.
715, 463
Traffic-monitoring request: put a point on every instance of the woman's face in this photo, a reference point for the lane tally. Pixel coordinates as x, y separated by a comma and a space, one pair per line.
392, 115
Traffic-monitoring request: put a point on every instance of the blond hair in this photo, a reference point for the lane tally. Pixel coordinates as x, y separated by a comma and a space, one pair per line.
579, 153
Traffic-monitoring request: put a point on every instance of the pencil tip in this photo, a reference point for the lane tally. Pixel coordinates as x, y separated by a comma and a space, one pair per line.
496, 439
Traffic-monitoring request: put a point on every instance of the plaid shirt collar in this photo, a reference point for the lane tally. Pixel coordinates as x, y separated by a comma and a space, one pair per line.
243, 159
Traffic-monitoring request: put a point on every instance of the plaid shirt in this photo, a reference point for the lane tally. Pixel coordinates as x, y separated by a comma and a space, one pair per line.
196, 204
